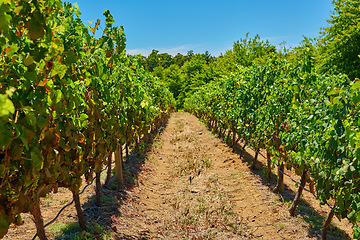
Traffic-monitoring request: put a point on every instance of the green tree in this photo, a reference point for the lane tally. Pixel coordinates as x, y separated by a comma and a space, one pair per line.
249, 51
190, 54
152, 60
304, 53
164, 60
195, 73
339, 44
208, 56
245, 52
172, 77
158, 71
179, 59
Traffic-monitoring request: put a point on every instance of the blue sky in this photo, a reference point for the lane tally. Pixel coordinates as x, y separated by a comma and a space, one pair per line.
212, 25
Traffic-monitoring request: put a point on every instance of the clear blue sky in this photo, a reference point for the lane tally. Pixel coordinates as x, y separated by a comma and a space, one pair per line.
200, 25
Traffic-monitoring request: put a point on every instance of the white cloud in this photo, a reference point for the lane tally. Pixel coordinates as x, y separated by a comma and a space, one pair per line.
183, 49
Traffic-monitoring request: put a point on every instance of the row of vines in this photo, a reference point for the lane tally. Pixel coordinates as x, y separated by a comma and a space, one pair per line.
305, 121
67, 100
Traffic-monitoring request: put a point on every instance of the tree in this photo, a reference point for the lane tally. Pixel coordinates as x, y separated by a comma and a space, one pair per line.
339, 44
158, 71
164, 60
172, 78
190, 54
195, 73
179, 59
208, 56
152, 60
249, 51
245, 52
304, 54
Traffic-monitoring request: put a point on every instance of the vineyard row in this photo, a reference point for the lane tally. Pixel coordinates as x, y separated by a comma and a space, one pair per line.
305, 121
67, 101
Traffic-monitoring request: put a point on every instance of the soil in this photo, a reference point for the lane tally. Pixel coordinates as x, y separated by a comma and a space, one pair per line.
188, 184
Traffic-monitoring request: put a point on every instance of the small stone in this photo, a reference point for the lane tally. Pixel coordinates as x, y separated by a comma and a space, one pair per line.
200, 133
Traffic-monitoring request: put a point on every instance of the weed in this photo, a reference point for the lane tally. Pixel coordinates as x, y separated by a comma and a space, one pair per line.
288, 203
281, 225
107, 199
235, 175
63, 190
72, 231
142, 149
194, 165
48, 196
265, 172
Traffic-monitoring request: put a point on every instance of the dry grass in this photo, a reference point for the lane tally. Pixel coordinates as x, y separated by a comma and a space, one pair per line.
205, 213
201, 208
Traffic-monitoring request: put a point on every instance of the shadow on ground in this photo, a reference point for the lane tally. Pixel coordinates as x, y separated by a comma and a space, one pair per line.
304, 210
101, 220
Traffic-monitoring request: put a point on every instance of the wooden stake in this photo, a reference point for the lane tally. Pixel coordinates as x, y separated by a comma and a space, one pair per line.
118, 166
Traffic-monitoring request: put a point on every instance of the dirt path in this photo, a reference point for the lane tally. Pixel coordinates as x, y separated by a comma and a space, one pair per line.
199, 189
190, 185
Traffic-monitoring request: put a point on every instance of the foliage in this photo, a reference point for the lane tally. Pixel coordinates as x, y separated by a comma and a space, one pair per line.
339, 44
67, 99
307, 120
182, 73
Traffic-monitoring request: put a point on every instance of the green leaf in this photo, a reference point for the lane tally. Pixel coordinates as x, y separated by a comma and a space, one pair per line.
84, 120
41, 121
5, 139
37, 160
334, 92
356, 231
28, 60
35, 29
11, 50
10, 91
4, 19
6, 106
144, 103
59, 96
356, 85
59, 69
356, 98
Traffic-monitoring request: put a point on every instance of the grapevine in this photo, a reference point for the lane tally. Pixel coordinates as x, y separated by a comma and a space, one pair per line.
67, 100
306, 121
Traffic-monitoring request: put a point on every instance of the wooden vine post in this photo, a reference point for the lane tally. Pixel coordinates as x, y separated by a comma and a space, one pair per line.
118, 165
279, 188
109, 169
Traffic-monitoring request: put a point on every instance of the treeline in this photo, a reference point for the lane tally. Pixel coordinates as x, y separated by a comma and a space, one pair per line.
335, 51
183, 74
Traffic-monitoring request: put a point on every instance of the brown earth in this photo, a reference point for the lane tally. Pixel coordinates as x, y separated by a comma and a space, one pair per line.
188, 185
